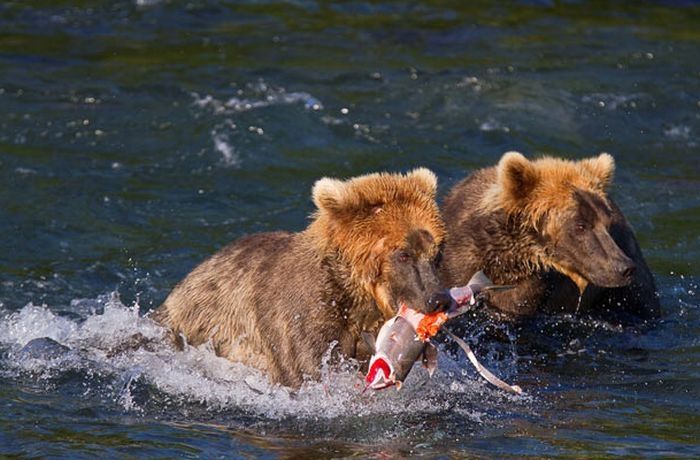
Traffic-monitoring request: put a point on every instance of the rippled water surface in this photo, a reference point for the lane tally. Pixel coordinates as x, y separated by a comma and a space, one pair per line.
138, 137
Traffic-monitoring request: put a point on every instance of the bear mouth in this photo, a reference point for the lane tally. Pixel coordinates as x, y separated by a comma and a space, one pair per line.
406, 306
402, 305
579, 280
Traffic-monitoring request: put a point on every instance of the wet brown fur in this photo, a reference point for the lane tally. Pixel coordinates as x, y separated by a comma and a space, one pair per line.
277, 301
508, 220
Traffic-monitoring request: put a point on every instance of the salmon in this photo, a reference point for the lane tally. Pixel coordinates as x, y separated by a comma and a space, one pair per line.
405, 338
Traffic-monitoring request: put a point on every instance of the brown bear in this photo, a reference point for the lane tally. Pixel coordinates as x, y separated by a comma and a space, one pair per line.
549, 227
278, 301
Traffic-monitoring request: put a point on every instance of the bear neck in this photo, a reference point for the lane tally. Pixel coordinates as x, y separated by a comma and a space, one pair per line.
353, 302
520, 253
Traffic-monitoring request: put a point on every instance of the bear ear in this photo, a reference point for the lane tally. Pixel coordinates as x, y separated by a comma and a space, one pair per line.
425, 179
601, 168
517, 178
328, 193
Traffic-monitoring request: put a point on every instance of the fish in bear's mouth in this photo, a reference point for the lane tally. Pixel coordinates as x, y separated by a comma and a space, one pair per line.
405, 338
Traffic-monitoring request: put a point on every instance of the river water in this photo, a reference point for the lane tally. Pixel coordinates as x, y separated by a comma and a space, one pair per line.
138, 137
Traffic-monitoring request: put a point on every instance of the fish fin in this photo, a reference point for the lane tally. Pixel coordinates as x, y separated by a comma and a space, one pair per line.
370, 341
480, 283
430, 358
480, 279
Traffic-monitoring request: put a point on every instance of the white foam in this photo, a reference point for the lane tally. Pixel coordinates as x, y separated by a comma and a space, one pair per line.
262, 95
493, 125
33, 322
225, 148
197, 375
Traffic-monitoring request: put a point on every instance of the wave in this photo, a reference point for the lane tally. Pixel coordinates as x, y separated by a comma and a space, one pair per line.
256, 96
225, 134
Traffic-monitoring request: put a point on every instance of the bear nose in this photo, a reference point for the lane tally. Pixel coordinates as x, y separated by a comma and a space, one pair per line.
627, 270
439, 301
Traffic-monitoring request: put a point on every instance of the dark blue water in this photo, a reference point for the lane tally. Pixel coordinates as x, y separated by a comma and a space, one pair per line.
136, 138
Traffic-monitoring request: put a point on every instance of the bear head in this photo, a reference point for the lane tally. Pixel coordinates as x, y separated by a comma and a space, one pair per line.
384, 234
565, 204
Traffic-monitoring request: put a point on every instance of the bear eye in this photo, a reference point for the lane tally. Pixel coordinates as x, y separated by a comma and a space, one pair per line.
580, 227
404, 256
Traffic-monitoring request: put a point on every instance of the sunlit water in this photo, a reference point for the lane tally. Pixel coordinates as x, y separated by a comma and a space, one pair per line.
136, 138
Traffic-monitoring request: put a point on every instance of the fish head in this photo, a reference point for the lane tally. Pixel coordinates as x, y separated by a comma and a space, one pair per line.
380, 374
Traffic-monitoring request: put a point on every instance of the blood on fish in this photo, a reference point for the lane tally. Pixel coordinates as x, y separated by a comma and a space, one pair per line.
430, 324
379, 365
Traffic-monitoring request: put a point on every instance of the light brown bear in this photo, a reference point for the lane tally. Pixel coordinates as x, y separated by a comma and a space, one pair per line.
548, 227
277, 301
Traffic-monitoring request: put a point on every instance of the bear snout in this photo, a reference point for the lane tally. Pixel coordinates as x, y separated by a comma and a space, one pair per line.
626, 270
439, 301
620, 273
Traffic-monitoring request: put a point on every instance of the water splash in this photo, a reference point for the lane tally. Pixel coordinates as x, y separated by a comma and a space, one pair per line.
101, 344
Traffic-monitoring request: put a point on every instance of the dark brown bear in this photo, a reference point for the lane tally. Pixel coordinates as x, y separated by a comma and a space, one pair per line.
277, 301
549, 227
